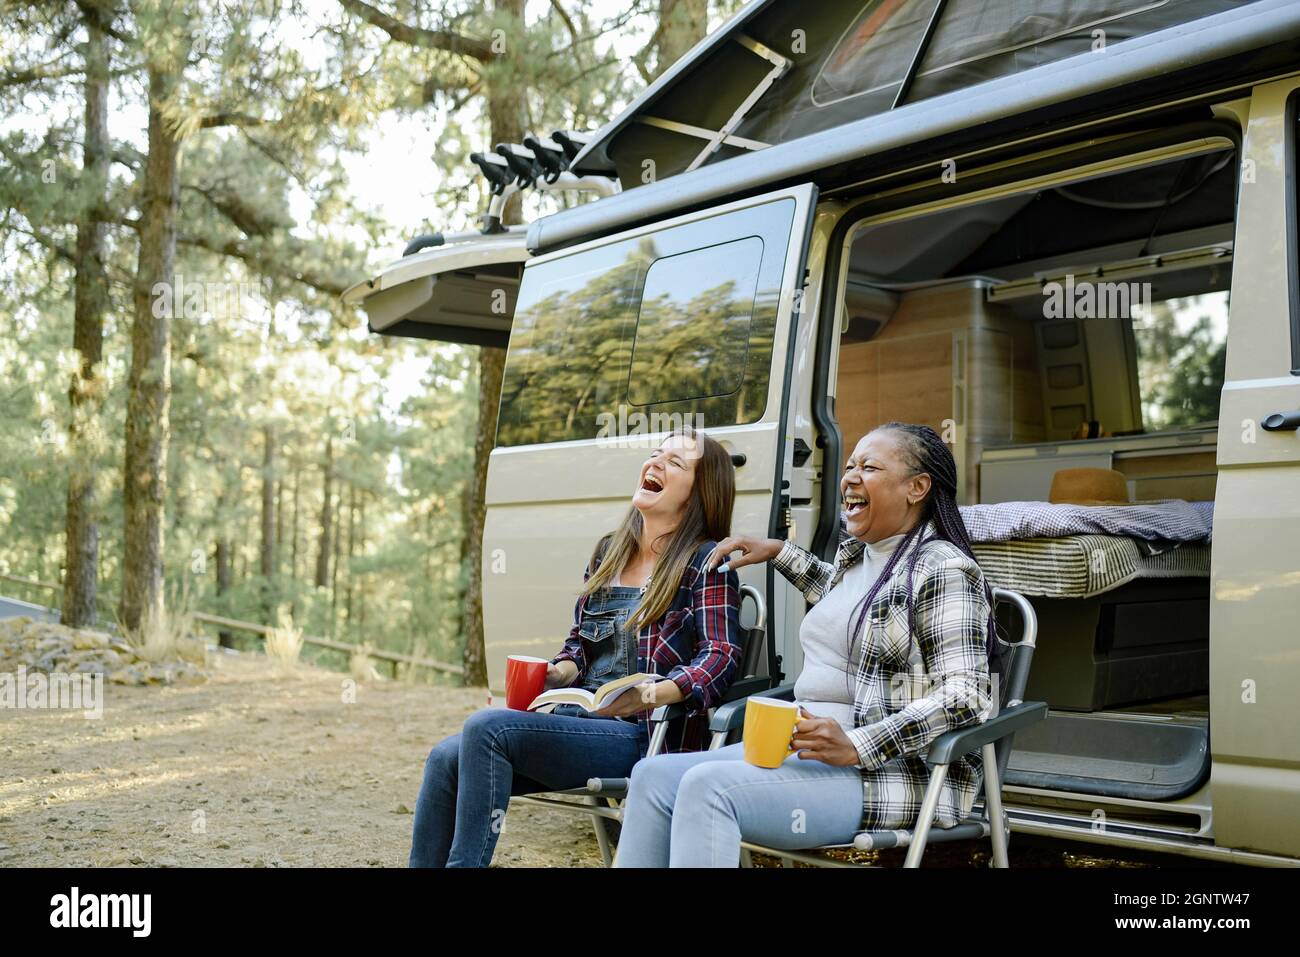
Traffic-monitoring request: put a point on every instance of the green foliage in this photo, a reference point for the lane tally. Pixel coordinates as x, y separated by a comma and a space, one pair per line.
1181, 364
269, 98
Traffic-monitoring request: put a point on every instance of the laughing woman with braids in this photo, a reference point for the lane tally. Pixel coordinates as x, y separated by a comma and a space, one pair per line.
895, 654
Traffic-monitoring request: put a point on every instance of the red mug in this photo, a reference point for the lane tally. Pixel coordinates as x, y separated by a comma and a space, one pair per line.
525, 680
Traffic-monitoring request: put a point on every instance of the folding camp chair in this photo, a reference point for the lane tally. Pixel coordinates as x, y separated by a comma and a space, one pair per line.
602, 798
1009, 669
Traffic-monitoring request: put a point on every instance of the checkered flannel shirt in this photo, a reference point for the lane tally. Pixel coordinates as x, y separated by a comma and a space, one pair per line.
911, 684
695, 645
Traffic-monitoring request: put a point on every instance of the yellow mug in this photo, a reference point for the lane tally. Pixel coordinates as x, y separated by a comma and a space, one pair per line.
769, 727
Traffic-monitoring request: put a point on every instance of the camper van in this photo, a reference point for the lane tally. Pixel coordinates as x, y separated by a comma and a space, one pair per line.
1062, 234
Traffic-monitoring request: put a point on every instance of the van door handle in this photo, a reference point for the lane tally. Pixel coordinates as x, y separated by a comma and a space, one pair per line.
1281, 421
739, 458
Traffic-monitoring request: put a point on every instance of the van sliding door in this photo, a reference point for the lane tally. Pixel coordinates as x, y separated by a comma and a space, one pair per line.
616, 342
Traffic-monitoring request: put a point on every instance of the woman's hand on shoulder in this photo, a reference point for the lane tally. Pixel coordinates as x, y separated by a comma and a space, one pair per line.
752, 551
823, 739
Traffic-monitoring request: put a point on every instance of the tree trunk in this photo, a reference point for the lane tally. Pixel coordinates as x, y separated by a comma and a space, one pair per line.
506, 126
334, 576
326, 514
81, 557
352, 550
361, 591
293, 546
149, 381
428, 544
682, 24
267, 564
491, 364
279, 528
222, 561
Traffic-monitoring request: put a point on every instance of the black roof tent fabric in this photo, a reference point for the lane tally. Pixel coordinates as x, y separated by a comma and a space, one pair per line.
1233, 48
854, 59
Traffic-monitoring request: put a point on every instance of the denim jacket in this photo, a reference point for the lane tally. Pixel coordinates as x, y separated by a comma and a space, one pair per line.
695, 644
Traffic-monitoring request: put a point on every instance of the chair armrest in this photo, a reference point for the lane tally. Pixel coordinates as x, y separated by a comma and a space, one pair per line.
739, 689
730, 716
948, 747
666, 712
744, 687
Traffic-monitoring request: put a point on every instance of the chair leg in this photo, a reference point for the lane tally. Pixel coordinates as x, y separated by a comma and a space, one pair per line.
993, 807
928, 807
602, 834
746, 859
657, 737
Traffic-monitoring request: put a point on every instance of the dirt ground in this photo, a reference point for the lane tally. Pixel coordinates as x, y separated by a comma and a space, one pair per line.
252, 768
256, 767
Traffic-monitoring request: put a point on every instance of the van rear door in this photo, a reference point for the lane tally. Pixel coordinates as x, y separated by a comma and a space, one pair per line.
616, 342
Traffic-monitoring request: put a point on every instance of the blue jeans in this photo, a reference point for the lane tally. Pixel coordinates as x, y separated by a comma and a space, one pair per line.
692, 809
469, 777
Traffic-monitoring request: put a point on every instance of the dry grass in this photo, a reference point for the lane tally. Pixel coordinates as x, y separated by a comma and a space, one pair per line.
360, 665
161, 634
284, 644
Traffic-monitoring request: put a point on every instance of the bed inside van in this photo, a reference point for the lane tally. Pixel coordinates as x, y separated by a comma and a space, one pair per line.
1073, 322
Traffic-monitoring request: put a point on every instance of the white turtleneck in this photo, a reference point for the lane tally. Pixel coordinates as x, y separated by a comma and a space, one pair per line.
825, 687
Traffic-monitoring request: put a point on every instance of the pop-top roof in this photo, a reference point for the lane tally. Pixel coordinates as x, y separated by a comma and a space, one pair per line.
782, 69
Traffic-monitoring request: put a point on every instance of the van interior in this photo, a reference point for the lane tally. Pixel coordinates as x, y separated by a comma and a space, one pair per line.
1083, 324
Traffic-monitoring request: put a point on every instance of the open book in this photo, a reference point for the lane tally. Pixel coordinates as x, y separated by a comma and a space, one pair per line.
590, 700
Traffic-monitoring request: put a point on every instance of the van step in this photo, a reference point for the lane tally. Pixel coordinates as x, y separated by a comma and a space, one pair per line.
1160, 759
1025, 818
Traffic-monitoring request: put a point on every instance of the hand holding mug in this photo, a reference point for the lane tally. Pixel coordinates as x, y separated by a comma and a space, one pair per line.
561, 675
823, 739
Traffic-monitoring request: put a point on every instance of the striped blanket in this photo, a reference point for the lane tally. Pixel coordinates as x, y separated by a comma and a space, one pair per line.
1080, 566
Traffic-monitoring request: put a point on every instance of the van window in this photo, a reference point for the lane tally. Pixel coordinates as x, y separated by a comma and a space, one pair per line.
692, 336
1182, 348
677, 322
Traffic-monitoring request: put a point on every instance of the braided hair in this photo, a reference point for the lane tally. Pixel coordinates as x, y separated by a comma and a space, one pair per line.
924, 451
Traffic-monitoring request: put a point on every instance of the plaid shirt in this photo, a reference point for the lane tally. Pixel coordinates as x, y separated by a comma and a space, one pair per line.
911, 685
695, 645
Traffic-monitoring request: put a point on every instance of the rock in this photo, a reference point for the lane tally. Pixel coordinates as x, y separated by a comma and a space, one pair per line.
51, 645
192, 650
85, 640
52, 648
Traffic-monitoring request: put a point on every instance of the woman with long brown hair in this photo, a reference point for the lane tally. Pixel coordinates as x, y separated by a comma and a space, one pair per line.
895, 654
648, 604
